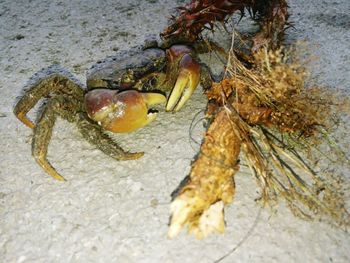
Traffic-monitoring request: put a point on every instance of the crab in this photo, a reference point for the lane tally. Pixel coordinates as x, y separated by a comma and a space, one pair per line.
119, 95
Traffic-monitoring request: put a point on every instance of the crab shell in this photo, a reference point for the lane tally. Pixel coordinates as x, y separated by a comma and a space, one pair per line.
121, 111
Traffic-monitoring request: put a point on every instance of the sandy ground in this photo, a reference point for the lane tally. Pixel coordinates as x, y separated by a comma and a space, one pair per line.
111, 211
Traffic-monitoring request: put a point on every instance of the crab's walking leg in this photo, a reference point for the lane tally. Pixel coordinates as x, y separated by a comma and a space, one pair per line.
70, 109
43, 131
95, 135
55, 83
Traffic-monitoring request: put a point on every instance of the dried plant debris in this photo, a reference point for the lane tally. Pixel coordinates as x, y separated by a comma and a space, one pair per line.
264, 111
199, 204
199, 15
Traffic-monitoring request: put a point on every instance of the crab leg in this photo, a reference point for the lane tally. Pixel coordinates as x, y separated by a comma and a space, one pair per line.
70, 109
56, 83
42, 136
95, 135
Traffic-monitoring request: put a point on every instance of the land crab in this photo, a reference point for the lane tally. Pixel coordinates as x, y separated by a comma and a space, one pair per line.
119, 93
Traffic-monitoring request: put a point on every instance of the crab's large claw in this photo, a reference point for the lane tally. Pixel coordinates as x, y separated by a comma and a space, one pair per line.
122, 111
188, 70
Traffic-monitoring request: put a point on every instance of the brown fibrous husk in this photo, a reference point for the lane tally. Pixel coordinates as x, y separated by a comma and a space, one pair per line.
266, 112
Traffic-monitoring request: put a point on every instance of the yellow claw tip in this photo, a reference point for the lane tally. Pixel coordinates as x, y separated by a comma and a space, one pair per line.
152, 98
184, 87
186, 83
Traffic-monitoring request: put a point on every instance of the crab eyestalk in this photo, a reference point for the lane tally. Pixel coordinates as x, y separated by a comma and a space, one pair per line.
188, 70
123, 111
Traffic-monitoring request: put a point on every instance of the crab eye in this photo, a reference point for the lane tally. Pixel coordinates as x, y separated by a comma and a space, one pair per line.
127, 79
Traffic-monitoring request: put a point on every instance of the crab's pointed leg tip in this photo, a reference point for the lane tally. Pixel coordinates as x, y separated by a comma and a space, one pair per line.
58, 177
42, 161
134, 156
23, 118
153, 98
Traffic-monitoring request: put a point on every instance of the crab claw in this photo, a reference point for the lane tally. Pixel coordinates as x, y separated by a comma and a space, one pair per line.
188, 77
123, 111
